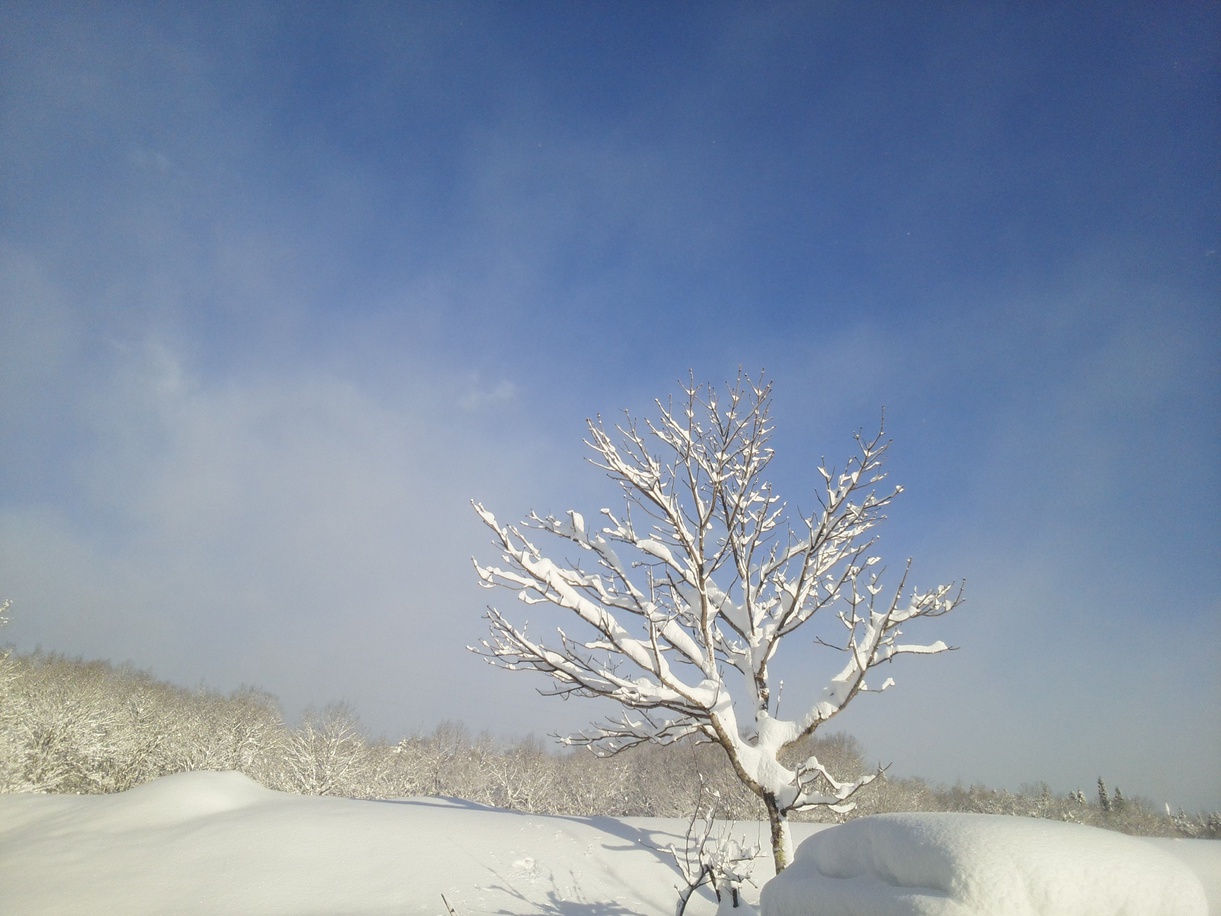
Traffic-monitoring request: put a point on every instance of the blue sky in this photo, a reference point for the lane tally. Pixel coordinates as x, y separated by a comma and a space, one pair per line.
284, 286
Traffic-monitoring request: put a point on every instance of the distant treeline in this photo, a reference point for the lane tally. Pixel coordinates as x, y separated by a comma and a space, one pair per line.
74, 726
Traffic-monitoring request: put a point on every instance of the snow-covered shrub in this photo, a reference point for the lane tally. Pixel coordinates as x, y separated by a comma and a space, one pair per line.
586, 786
712, 855
64, 728
521, 776
1202, 826
329, 755
67, 725
451, 763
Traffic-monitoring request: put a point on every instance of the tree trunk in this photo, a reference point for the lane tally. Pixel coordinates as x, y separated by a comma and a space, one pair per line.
781, 839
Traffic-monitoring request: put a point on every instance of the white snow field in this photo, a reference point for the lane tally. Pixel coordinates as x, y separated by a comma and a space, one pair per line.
206, 842
218, 843
981, 865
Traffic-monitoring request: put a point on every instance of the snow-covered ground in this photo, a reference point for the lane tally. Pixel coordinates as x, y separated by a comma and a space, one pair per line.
220, 843
981, 865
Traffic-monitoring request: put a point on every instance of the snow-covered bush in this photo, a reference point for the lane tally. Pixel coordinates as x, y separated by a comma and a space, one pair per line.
1202, 826
521, 776
329, 755
67, 725
711, 854
452, 763
65, 730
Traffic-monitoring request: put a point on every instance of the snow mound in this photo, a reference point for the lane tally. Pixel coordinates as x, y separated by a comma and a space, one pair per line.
203, 791
183, 797
980, 865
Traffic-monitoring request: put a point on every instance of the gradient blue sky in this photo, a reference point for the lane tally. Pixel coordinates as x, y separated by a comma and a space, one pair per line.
284, 286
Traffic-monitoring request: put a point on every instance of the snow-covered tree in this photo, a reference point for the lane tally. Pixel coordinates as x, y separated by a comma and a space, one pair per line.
686, 595
329, 755
720, 860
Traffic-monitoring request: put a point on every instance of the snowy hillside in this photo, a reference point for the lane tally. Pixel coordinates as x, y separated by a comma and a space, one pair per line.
205, 842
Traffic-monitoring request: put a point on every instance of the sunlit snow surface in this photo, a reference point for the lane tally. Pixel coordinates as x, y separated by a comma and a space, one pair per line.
981, 865
206, 843
218, 843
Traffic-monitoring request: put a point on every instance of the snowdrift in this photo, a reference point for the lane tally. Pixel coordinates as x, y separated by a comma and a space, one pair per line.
980, 865
218, 843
